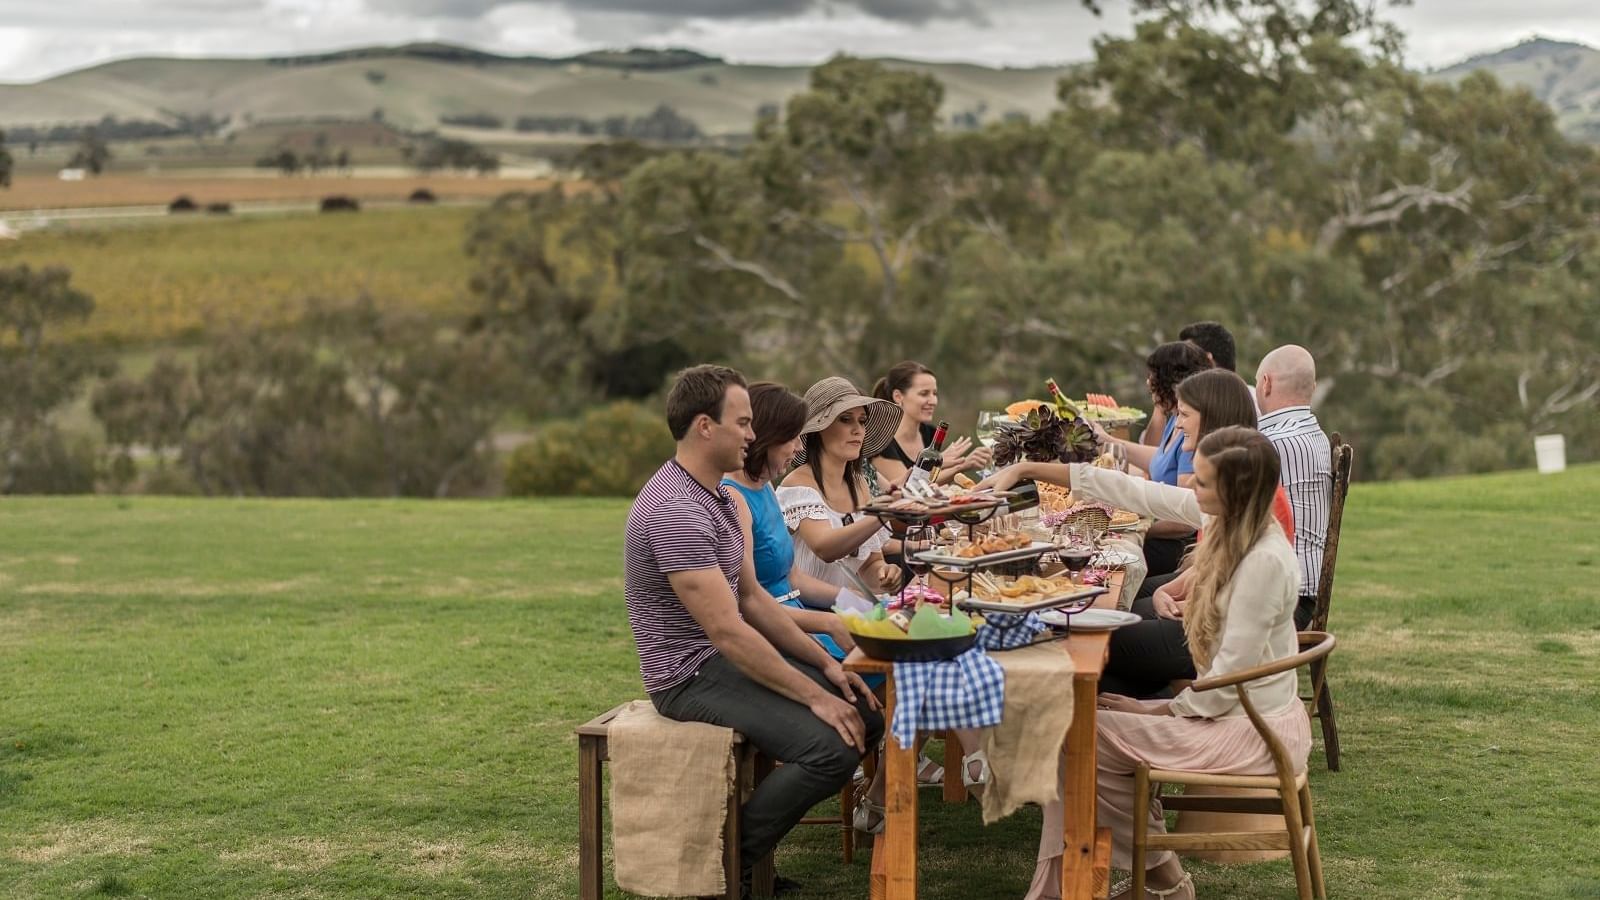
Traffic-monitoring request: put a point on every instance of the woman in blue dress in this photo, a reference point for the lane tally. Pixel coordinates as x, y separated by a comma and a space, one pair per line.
778, 418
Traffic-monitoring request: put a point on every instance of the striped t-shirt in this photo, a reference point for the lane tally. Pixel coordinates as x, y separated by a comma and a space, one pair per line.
676, 525
1306, 472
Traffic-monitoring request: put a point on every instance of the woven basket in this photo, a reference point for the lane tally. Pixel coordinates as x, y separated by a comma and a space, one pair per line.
1089, 517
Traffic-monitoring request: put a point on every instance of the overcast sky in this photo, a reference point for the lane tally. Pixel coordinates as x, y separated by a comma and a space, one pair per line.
39, 38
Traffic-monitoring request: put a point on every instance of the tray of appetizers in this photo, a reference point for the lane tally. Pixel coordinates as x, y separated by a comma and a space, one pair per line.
912, 509
986, 550
1026, 594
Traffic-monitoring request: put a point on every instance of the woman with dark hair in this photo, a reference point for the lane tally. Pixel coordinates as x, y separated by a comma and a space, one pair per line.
1165, 368
777, 417
820, 501
913, 387
820, 498
1240, 615
1219, 398
1147, 657
1167, 462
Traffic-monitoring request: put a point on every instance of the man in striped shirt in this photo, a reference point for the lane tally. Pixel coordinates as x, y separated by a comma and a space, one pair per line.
1285, 381
713, 646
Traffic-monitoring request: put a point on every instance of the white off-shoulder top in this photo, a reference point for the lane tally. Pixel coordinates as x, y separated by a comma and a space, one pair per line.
802, 503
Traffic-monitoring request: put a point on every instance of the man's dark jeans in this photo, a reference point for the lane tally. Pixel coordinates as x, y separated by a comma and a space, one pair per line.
817, 763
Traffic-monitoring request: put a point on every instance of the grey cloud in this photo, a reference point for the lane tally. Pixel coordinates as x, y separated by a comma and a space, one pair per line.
920, 11
449, 9
96, 14
912, 11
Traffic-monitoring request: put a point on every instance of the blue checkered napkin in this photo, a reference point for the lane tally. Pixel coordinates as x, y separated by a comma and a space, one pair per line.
1006, 631
966, 692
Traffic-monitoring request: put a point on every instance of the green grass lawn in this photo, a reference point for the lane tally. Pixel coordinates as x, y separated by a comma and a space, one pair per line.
376, 699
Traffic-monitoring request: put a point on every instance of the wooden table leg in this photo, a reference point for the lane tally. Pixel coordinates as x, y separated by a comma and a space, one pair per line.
900, 817
591, 827
955, 790
1078, 796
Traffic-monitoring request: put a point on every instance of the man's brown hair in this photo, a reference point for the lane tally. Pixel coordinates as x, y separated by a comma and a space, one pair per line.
697, 391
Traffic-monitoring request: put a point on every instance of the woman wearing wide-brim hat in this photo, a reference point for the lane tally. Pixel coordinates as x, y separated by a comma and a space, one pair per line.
820, 501
823, 494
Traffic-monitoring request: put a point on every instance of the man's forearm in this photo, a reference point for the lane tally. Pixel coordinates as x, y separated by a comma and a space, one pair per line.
755, 657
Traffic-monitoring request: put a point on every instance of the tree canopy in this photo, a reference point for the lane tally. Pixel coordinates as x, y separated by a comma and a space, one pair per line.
1267, 164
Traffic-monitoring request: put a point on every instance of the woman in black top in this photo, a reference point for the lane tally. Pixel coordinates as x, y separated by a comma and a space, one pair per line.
913, 387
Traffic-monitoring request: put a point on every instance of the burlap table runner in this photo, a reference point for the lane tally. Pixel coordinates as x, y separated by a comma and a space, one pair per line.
670, 783
1025, 748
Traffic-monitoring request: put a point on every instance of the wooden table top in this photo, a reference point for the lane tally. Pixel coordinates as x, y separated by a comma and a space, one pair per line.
1087, 648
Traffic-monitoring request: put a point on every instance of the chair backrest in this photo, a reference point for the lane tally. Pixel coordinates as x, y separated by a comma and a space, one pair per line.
1343, 459
1323, 645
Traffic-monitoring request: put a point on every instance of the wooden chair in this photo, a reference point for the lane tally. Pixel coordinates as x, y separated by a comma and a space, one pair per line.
1321, 698
1291, 791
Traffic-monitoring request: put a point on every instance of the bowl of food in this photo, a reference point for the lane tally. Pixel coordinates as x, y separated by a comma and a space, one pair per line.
927, 636
912, 650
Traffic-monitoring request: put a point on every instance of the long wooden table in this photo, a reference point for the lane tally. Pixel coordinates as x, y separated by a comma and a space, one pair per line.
1086, 864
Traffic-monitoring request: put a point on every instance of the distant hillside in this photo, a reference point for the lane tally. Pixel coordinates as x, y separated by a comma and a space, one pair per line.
1564, 75
417, 85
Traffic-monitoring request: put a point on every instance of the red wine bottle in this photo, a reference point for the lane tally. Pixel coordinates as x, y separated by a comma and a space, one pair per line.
926, 468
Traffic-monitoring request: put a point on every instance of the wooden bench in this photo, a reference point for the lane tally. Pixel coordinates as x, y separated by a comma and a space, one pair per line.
593, 754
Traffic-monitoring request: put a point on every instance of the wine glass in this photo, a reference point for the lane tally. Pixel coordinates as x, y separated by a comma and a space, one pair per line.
988, 425
1075, 558
1078, 547
918, 539
1119, 455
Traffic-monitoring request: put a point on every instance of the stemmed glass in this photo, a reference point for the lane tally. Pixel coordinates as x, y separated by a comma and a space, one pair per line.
1078, 547
988, 424
1119, 454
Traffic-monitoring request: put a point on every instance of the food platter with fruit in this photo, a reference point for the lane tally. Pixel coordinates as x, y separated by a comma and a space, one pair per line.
911, 633
1104, 409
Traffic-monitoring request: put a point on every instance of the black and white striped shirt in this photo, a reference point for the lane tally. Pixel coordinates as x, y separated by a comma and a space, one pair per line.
1306, 460
676, 525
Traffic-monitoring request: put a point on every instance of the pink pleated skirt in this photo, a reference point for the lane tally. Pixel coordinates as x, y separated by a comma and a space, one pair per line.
1226, 746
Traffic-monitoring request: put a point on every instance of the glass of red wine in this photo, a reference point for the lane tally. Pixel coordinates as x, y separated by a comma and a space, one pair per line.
1076, 558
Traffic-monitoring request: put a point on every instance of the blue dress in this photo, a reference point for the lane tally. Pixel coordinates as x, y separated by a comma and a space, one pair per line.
774, 551
1171, 460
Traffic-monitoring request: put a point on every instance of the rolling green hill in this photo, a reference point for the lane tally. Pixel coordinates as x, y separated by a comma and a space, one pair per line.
1564, 75
414, 86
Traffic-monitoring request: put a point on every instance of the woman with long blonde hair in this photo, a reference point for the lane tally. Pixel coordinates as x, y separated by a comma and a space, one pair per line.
1240, 614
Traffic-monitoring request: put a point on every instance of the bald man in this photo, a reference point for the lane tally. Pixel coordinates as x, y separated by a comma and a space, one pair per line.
1285, 382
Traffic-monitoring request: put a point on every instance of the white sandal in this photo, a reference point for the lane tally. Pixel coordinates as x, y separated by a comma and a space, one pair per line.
934, 778
1121, 888
984, 772
863, 821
